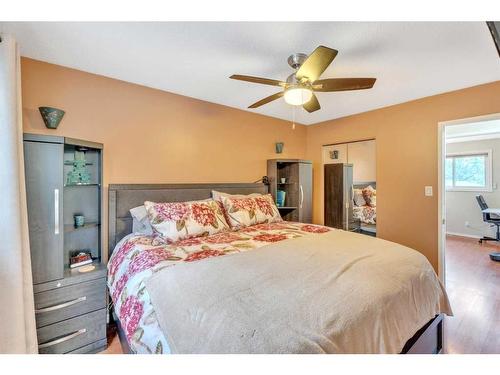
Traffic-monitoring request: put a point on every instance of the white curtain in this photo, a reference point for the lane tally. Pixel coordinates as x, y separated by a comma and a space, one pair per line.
17, 315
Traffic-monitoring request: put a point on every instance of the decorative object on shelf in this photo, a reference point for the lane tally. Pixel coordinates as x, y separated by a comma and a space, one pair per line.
87, 268
283, 180
80, 258
279, 147
280, 198
51, 116
79, 174
79, 220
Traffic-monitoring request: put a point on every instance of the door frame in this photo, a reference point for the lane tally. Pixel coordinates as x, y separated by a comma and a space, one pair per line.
441, 185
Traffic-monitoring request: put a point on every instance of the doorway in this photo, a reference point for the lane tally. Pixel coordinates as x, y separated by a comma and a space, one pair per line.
469, 175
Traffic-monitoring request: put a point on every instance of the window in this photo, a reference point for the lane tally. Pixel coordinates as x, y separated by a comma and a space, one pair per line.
470, 171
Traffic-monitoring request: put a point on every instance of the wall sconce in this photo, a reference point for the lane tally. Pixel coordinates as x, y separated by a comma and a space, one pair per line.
279, 147
51, 116
334, 154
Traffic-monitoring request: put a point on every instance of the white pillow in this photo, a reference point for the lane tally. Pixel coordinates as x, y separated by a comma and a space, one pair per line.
140, 221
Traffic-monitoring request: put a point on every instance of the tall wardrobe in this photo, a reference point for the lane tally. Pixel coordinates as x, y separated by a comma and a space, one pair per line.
292, 178
70, 305
338, 204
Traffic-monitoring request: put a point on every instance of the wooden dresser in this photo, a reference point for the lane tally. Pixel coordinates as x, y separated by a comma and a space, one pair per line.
70, 306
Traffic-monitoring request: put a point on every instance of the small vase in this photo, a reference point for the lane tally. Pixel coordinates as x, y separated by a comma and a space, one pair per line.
280, 198
79, 221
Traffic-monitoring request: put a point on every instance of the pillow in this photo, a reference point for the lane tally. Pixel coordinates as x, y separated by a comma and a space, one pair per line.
369, 193
247, 210
358, 198
176, 221
140, 221
217, 195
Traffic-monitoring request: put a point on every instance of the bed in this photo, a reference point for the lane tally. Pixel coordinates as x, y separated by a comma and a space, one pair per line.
136, 261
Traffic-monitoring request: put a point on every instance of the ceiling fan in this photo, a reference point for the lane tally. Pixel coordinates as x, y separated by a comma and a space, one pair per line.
300, 86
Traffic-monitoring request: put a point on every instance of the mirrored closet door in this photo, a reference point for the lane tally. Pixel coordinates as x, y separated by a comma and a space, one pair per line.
350, 187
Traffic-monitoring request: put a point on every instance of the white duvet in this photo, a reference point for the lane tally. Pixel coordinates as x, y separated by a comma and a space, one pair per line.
339, 292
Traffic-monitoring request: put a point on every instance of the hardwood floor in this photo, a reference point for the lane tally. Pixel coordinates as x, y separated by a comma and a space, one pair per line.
114, 346
473, 285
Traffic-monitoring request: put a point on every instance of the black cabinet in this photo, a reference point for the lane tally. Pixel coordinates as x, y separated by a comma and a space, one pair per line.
293, 177
70, 306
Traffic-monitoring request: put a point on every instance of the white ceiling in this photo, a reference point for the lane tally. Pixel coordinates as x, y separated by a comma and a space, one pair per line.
409, 59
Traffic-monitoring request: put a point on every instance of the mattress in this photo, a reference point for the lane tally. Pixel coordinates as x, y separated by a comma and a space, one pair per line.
410, 288
137, 257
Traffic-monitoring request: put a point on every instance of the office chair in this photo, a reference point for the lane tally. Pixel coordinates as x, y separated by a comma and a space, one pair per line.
491, 219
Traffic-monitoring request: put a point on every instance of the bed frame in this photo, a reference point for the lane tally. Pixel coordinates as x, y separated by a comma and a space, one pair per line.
427, 340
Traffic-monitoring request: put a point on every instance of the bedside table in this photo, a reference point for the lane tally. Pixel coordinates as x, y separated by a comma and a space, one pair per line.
71, 312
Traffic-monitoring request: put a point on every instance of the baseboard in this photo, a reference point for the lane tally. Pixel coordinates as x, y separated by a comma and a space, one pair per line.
463, 235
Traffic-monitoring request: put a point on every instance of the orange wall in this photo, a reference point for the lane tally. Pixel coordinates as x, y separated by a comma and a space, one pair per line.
152, 136
407, 159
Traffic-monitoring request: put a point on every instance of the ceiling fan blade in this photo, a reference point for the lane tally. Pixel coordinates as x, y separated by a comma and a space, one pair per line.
264, 81
316, 63
343, 84
312, 105
267, 100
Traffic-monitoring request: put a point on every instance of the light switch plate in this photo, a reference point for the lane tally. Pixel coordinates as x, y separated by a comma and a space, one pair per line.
428, 191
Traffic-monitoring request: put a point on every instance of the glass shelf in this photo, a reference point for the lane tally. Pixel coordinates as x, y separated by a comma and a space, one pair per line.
71, 162
77, 185
72, 228
287, 208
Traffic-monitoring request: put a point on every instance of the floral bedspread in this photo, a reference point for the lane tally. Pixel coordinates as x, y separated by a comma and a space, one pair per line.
366, 214
138, 256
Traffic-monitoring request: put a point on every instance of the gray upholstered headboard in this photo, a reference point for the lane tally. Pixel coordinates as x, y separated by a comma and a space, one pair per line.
124, 197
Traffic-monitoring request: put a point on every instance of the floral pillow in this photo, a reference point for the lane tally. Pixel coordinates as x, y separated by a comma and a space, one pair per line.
245, 211
370, 195
180, 220
358, 198
217, 195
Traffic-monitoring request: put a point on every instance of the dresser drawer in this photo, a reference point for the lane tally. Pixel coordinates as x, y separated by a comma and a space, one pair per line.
72, 334
67, 302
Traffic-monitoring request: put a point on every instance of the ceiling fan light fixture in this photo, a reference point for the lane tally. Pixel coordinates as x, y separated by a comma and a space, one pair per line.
300, 86
298, 95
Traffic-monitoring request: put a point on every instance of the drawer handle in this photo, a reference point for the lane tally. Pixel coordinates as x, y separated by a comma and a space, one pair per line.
60, 306
62, 339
